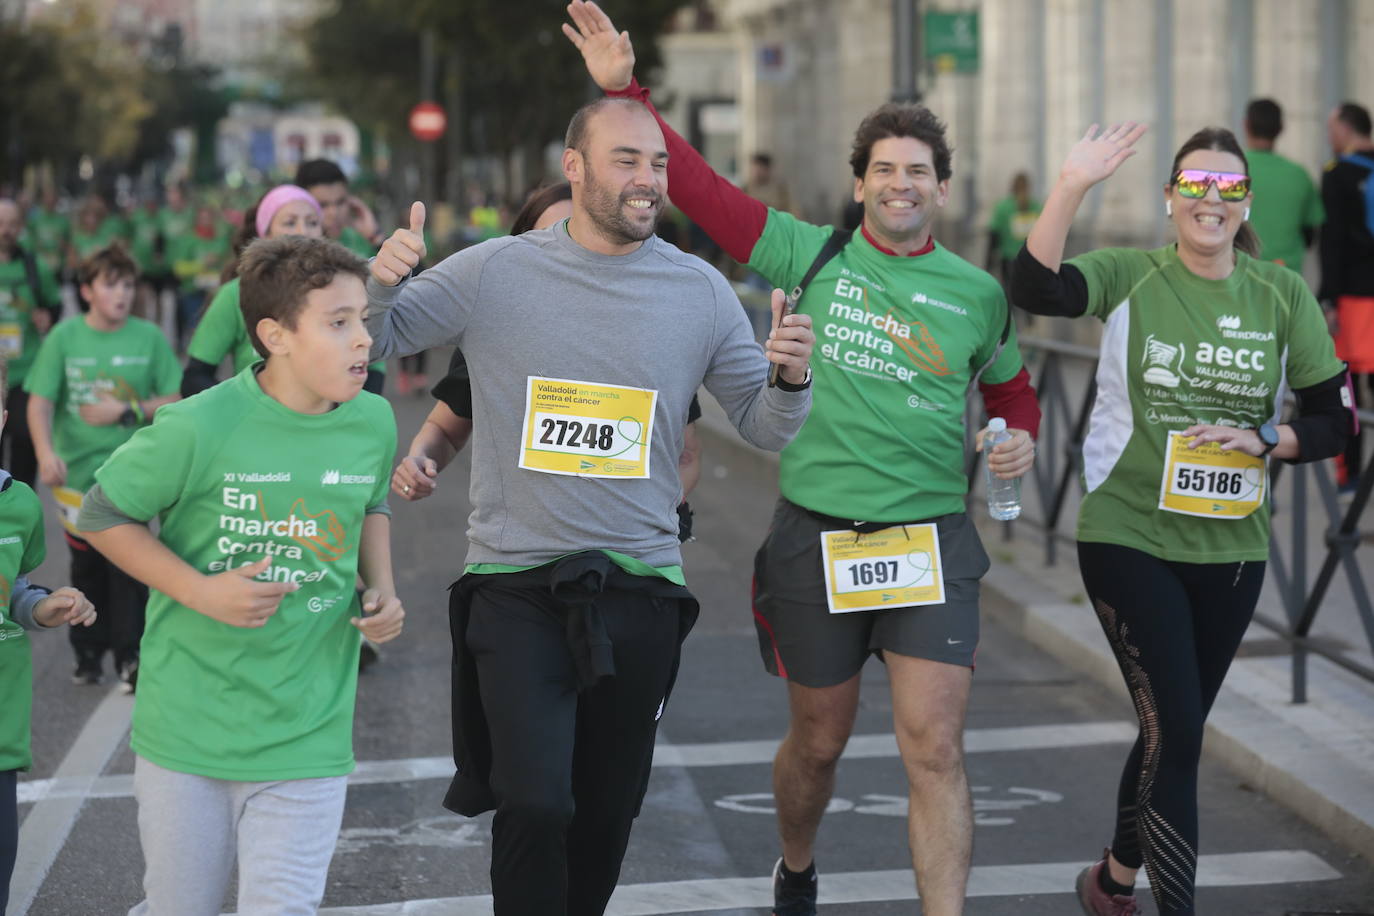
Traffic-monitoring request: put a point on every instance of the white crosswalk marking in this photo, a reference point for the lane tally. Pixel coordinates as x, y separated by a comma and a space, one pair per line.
724, 753
1229, 870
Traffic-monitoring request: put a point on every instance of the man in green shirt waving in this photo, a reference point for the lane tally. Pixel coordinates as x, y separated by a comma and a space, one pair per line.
873, 488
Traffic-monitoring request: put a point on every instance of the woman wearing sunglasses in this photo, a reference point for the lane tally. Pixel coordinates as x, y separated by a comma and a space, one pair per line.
1200, 341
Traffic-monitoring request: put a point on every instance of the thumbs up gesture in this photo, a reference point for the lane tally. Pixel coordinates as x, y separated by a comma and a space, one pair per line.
401, 253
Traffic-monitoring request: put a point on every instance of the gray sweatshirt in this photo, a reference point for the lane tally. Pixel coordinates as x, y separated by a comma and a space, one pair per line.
539, 304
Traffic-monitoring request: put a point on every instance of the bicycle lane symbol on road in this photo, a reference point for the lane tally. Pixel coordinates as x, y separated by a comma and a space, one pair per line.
989, 809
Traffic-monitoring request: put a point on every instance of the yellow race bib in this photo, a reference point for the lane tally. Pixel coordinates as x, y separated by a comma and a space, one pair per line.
894, 567
11, 339
587, 429
68, 508
1210, 482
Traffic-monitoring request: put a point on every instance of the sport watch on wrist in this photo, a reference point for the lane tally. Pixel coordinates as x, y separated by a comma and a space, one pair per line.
1269, 435
805, 383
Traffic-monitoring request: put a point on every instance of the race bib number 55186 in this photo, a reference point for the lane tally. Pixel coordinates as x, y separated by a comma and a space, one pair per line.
587, 429
1210, 482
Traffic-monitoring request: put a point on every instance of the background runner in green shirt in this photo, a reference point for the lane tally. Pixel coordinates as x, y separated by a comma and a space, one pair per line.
1012, 219
1200, 339
97, 378
48, 232
29, 304
1287, 209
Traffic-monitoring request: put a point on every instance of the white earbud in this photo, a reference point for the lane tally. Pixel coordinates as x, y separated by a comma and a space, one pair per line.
1168, 208
1247, 214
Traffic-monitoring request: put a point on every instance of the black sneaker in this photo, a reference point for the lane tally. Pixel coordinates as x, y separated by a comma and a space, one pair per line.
794, 894
87, 674
128, 676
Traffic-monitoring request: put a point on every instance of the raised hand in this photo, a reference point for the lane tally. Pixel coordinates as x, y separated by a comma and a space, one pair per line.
608, 54
789, 342
1096, 157
403, 252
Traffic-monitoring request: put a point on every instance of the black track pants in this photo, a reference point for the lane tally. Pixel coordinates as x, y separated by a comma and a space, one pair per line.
568, 768
1174, 628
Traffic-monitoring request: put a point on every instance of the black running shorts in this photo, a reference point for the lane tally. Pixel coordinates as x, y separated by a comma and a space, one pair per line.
802, 641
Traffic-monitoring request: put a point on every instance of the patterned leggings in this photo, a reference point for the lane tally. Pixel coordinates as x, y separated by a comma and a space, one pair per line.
1174, 628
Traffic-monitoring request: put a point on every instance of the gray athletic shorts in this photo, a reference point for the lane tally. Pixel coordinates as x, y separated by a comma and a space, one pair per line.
802, 641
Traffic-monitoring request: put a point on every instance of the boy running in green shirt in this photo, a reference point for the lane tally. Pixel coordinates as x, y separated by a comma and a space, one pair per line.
96, 378
22, 607
270, 490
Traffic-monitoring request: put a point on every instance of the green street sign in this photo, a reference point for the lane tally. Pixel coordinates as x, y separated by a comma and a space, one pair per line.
951, 41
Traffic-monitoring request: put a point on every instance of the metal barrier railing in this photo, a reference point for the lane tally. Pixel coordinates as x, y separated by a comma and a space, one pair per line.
1065, 382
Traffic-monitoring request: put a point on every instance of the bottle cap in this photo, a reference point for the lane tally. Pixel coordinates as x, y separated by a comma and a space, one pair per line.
997, 425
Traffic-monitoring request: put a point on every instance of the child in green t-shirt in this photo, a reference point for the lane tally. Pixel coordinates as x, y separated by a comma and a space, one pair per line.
270, 490
96, 378
22, 607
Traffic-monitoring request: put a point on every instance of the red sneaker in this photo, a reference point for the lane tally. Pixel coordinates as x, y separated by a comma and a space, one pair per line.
1097, 902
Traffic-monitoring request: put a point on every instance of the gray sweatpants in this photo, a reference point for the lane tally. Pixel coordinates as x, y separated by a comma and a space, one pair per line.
190, 827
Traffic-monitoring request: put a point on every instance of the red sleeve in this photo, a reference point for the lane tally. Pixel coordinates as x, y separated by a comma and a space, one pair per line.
1014, 400
732, 219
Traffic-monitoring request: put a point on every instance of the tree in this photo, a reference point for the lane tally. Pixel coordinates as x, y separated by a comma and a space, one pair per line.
519, 78
69, 93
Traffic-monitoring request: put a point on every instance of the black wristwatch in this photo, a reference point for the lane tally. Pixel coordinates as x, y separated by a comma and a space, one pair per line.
128, 417
1269, 435
785, 385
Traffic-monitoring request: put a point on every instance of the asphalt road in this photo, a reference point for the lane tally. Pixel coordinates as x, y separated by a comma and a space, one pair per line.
1045, 748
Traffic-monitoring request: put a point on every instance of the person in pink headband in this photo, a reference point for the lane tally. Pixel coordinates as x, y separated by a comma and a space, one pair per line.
277, 198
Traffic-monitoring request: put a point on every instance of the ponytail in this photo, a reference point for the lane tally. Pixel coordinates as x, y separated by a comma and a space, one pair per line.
1247, 240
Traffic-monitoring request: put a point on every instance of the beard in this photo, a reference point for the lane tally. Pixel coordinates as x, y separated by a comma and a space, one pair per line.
607, 212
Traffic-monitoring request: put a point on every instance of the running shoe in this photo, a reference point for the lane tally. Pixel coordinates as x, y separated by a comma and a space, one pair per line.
86, 674
795, 897
1097, 902
128, 676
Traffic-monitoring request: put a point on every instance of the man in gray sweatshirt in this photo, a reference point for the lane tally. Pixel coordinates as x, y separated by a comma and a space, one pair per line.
586, 342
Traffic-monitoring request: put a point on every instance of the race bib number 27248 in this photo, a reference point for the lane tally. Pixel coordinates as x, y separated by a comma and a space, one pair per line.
587, 429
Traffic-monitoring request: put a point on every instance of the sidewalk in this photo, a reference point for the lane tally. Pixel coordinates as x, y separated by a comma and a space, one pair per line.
1317, 759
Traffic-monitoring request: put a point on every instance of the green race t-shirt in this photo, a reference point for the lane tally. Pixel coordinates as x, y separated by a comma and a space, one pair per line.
898, 340
144, 229
18, 337
235, 476
197, 261
46, 233
1285, 202
110, 230
21, 550
1178, 350
1012, 225
76, 363
353, 240
176, 223
221, 331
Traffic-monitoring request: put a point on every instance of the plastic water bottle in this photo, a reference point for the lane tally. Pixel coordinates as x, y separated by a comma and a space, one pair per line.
1004, 496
